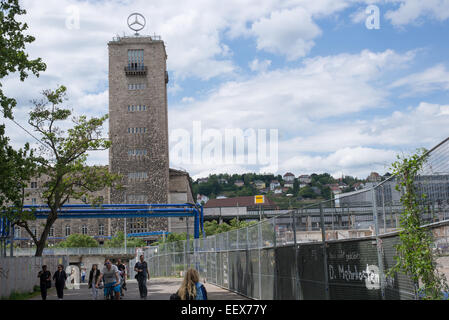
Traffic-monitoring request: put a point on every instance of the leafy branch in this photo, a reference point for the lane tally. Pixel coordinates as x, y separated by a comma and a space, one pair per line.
415, 257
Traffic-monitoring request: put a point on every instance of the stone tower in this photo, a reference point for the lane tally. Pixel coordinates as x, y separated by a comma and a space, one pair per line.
138, 125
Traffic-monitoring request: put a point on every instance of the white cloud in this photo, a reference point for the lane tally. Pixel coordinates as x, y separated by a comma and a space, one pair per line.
188, 99
432, 79
287, 32
410, 11
302, 102
291, 98
259, 66
358, 161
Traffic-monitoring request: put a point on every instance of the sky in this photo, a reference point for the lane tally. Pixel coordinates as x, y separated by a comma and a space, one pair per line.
346, 85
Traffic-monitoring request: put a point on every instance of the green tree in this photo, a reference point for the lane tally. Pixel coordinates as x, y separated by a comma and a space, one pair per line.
78, 241
307, 192
118, 241
16, 167
13, 57
415, 257
63, 162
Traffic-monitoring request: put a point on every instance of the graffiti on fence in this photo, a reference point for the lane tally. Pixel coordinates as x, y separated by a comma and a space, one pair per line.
370, 276
73, 278
341, 254
4, 273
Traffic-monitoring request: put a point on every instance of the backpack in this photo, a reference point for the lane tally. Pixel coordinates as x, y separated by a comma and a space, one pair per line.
199, 291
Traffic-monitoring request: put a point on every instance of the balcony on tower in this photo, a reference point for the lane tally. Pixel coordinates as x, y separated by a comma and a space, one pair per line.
136, 66
134, 70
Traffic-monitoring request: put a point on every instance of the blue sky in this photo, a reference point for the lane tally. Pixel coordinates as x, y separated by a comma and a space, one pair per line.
345, 99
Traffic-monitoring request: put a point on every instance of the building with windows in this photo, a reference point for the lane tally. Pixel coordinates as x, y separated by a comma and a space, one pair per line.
138, 131
289, 177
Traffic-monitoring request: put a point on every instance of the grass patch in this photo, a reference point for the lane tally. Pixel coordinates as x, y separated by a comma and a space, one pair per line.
24, 296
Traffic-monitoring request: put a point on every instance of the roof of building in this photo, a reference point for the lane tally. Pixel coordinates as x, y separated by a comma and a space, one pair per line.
289, 174
235, 202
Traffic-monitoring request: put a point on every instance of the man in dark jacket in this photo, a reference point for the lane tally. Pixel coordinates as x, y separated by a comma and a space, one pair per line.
60, 277
142, 275
45, 281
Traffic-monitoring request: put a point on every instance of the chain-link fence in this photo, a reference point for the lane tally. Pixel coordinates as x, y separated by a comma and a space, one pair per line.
336, 249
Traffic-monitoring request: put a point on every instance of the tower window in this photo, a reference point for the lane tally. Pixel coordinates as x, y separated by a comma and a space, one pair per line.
135, 59
137, 86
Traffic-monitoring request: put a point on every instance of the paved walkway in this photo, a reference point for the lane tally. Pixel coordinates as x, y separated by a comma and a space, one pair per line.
158, 289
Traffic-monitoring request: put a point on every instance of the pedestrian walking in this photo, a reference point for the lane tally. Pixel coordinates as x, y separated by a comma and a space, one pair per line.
83, 275
191, 287
93, 277
142, 275
122, 269
60, 277
45, 281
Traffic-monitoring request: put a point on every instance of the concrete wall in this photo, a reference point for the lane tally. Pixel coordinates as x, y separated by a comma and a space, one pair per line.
20, 274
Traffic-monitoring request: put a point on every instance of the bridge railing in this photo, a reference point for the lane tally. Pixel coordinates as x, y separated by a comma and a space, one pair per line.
337, 249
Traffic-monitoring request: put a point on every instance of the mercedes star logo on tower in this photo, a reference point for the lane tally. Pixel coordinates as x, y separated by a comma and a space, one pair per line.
136, 22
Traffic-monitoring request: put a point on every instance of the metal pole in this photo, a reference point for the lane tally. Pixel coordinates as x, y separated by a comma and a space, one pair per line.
215, 255
379, 246
11, 250
298, 291
188, 244
383, 209
260, 267
323, 235
126, 235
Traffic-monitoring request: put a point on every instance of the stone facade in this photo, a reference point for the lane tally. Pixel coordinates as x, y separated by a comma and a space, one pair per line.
138, 125
138, 130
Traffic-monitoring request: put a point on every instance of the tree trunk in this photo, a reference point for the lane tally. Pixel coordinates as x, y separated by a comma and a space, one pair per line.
40, 246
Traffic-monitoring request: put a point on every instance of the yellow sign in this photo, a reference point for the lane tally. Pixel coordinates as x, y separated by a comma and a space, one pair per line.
259, 199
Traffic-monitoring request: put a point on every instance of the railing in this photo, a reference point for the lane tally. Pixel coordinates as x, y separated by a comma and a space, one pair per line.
75, 251
153, 37
136, 71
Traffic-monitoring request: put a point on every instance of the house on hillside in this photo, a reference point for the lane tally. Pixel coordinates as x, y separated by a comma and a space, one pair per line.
260, 184
305, 179
201, 198
202, 180
289, 177
288, 185
358, 186
274, 184
222, 181
374, 177
264, 190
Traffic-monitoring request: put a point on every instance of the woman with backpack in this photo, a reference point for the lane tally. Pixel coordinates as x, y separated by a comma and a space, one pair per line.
191, 287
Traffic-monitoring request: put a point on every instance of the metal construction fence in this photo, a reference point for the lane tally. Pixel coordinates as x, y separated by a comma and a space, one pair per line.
336, 249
